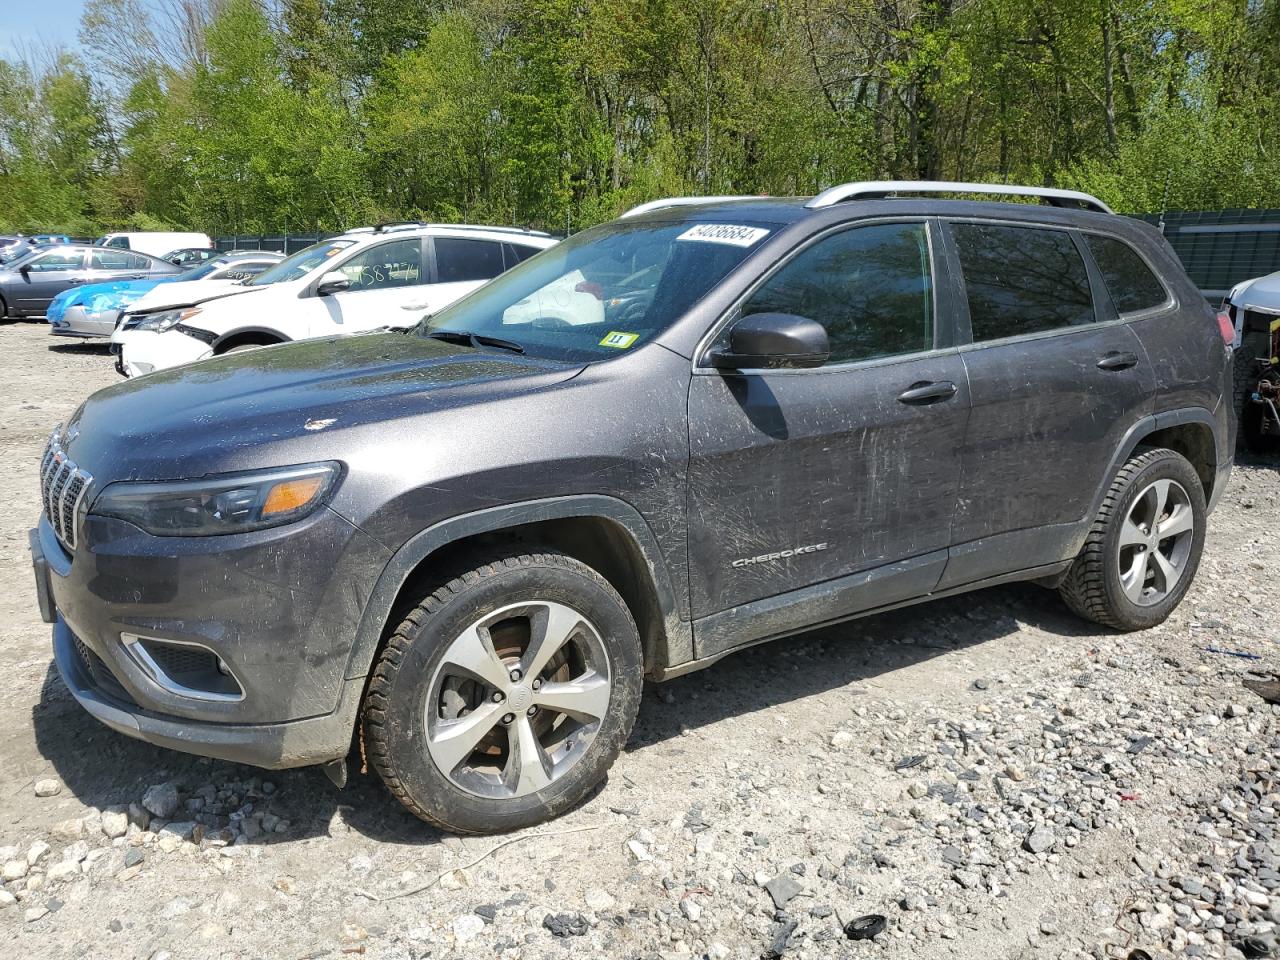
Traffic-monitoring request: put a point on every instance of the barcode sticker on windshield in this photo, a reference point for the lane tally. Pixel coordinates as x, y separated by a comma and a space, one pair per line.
730, 233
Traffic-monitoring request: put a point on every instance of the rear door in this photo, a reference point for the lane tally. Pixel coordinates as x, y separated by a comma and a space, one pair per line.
106, 265
1057, 379
461, 265
385, 278
804, 477
46, 276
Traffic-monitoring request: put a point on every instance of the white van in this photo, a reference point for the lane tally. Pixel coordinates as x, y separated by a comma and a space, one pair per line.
154, 242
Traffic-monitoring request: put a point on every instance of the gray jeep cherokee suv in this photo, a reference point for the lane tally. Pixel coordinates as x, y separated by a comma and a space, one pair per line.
702, 426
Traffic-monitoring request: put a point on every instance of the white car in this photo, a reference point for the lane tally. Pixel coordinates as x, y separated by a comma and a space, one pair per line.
366, 279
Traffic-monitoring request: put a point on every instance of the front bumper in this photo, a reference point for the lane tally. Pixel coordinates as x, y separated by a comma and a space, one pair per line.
142, 351
275, 746
76, 322
279, 607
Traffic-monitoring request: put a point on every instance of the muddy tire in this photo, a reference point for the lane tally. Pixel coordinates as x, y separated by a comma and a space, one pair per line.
1143, 549
502, 699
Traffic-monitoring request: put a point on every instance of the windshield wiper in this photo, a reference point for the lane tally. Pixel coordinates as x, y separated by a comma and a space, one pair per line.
476, 340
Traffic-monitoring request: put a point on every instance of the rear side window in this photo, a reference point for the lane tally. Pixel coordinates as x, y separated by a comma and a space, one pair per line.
517, 253
1129, 280
458, 259
1021, 280
871, 287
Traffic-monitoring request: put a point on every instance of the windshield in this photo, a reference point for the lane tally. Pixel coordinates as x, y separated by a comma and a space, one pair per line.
602, 292
301, 263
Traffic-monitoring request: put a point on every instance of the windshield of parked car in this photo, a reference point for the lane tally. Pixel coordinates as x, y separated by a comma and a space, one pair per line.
301, 263
602, 292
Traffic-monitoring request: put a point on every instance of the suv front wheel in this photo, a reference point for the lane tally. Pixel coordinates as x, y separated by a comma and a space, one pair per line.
503, 698
1143, 549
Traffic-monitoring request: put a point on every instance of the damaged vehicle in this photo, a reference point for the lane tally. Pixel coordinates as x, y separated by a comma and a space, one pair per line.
467, 544
1254, 309
92, 311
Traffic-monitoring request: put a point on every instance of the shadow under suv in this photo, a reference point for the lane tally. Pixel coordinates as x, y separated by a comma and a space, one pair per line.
705, 425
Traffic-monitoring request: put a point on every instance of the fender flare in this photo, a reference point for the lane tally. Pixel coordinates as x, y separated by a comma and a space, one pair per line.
1148, 425
678, 645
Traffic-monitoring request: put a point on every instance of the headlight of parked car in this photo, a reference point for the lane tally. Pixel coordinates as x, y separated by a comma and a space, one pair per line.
232, 503
161, 321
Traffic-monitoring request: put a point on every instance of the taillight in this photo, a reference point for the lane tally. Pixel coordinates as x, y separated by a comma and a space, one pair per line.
1226, 327
591, 287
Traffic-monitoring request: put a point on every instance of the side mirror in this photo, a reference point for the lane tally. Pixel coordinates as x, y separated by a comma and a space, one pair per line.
335, 281
773, 341
25, 269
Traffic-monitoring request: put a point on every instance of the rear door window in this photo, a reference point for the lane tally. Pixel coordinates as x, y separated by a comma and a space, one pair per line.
1132, 285
1021, 280
459, 259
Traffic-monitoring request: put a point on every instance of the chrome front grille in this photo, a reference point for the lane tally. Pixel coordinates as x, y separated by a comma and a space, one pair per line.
62, 488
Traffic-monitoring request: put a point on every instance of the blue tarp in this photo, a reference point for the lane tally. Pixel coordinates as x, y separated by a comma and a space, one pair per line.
101, 297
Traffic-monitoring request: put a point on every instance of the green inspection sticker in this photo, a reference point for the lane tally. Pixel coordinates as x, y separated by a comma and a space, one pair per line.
619, 340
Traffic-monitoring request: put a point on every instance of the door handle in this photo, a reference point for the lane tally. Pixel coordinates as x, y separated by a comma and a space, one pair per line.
928, 392
76, 281
1115, 360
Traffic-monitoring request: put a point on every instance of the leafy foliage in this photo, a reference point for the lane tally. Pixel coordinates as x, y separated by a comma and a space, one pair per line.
238, 116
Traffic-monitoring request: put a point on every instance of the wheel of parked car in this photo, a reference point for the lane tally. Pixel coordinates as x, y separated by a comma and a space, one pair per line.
505, 694
1143, 549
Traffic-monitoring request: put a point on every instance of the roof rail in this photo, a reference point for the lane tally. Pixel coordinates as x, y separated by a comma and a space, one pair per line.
420, 225
879, 189
679, 202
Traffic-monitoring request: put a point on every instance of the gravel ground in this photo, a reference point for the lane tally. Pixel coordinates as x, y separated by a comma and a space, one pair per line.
991, 775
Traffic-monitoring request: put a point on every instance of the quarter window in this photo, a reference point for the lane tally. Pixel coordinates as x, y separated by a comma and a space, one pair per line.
1021, 280
870, 287
1129, 280
458, 259
394, 264
517, 253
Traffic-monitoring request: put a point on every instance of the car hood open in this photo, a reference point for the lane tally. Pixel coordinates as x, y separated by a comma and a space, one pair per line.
1262, 294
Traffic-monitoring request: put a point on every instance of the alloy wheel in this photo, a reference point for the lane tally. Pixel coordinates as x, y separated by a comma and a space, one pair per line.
516, 699
1155, 542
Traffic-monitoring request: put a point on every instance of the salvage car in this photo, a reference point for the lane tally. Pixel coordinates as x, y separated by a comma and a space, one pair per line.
93, 310
473, 540
371, 277
1254, 308
29, 284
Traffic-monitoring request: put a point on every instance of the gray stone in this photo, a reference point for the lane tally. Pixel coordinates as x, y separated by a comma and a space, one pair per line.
782, 889
161, 800
1039, 840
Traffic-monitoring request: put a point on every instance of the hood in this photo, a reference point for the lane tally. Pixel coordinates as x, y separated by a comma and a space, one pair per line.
185, 293
289, 403
1261, 294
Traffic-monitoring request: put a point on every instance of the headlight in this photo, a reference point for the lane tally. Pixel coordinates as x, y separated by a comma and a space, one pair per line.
161, 321
231, 503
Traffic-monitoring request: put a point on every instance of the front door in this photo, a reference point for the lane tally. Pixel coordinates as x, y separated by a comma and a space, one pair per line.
385, 279
1056, 383
46, 276
832, 489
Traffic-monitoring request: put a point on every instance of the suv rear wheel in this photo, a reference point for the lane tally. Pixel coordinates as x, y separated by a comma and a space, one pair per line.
1143, 549
503, 698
